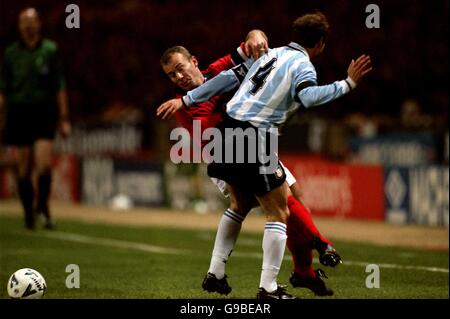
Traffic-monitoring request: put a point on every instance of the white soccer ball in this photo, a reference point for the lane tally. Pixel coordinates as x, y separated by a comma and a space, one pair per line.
121, 202
26, 283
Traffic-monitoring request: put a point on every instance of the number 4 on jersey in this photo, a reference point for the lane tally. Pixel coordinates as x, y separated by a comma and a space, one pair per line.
261, 75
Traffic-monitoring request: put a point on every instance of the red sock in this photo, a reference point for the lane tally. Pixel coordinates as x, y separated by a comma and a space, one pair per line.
301, 223
302, 255
301, 231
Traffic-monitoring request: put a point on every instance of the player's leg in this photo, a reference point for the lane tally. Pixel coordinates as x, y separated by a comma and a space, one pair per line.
226, 236
271, 194
274, 242
24, 183
297, 242
19, 134
304, 229
300, 244
300, 221
302, 255
301, 217
304, 275
228, 230
43, 154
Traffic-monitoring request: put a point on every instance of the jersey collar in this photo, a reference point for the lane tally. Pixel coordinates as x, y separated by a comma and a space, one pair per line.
298, 47
24, 46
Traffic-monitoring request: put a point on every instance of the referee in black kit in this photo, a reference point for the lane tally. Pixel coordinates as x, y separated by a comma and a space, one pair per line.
32, 91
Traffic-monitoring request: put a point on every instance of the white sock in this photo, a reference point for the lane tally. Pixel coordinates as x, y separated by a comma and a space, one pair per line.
274, 243
227, 234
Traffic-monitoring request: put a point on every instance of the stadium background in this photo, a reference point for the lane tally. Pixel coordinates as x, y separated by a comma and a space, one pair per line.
376, 158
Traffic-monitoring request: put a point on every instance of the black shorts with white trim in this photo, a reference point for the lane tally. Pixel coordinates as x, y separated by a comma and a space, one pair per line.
241, 165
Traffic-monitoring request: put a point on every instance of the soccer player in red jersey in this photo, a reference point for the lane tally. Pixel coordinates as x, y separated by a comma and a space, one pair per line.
183, 70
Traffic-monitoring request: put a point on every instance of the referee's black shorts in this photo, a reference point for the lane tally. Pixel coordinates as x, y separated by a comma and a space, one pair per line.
27, 123
246, 175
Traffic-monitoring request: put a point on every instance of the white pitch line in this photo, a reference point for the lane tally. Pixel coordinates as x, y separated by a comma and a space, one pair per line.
173, 251
353, 263
395, 266
112, 243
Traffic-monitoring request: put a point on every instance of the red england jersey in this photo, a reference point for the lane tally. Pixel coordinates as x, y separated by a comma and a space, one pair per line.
210, 112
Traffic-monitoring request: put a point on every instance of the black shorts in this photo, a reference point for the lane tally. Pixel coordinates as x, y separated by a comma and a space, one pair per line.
247, 173
27, 123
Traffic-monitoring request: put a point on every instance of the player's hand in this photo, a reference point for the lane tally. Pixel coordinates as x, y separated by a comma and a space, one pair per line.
169, 108
256, 44
358, 69
65, 128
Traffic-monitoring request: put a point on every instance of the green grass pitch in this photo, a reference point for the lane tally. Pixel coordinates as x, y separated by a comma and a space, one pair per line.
155, 263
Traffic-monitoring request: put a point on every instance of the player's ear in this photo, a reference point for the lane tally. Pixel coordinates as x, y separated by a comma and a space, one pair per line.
194, 61
322, 44
318, 48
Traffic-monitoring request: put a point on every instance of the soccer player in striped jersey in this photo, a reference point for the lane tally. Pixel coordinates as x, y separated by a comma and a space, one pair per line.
271, 89
182, 69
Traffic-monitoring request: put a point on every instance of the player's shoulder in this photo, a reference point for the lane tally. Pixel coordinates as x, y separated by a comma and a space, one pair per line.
291, 52
297, 49
12, 48
49, 45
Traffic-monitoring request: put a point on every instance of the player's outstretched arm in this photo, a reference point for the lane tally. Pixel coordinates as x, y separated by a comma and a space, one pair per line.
312, 95
225, 81
169, 108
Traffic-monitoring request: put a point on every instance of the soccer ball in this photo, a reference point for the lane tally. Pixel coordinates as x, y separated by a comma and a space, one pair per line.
121, 202
26, 283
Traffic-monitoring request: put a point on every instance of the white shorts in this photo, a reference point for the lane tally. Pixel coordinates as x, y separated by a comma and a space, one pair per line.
222, 185
290, 179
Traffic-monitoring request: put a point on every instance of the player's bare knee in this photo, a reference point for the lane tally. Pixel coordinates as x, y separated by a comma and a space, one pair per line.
278, 215
276, 211
233, 204
239, 208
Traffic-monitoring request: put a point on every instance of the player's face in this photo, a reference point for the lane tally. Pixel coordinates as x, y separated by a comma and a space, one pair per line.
29, 24
184, 72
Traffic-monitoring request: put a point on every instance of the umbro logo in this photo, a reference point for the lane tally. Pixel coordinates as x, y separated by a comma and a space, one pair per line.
241, 71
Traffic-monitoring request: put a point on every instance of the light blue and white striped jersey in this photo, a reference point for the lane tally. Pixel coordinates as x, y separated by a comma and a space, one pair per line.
274, 87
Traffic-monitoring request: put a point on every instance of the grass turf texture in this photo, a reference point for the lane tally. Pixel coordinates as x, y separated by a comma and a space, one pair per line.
110, 271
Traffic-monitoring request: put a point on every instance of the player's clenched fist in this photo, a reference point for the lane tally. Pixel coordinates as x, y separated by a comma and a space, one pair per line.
169, 108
